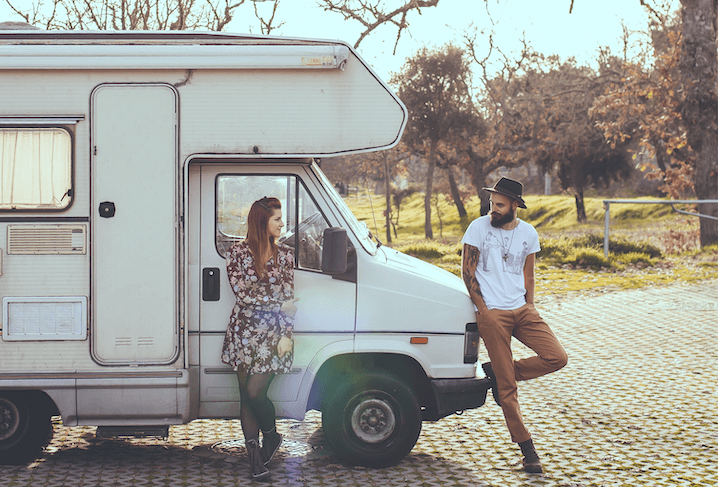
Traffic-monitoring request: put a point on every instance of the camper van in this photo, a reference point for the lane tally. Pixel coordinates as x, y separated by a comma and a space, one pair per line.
128, 163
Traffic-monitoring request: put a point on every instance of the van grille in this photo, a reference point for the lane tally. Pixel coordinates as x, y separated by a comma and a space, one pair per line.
47, 239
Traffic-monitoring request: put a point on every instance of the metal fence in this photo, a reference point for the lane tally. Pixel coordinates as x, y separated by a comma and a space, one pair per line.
607, 218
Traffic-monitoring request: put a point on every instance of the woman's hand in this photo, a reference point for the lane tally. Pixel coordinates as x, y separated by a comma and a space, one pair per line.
289, 308
284, 346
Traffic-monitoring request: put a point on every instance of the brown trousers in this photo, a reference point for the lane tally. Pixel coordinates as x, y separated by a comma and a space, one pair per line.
496, 329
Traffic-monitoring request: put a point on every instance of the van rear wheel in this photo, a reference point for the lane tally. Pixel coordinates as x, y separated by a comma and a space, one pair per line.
372, 420
24, 430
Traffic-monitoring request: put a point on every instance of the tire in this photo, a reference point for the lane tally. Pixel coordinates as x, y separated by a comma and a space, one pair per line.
373, 420
24, 430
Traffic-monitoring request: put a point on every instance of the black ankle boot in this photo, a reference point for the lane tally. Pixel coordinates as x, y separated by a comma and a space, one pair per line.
271, 440
256, 466
531, 461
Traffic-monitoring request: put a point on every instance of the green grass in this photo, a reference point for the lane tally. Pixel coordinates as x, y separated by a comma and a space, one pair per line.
642, 241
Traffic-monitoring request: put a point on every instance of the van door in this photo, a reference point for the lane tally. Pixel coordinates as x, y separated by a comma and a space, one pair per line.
326, 315
134, 224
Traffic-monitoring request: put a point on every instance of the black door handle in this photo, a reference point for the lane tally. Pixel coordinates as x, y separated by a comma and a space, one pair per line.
210, 284
107, 209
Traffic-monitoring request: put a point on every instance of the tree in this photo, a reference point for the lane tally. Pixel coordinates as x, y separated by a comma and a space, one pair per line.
373, 15
569, 137
496, 145
204, 14
644, 107
372, 166
137, 14
672, 109
537, 109
699, 104
434, 86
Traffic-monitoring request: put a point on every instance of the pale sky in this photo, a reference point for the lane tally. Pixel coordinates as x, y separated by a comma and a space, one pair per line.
546, 24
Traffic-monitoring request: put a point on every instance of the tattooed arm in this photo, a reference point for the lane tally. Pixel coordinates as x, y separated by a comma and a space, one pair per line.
469, 261
529, 279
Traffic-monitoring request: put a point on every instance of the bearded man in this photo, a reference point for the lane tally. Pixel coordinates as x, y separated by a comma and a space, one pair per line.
502, 290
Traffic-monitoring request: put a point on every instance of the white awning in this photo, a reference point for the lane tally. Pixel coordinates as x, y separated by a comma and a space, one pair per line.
99, 56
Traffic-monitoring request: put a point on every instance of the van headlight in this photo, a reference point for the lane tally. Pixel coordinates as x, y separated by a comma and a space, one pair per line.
471, 343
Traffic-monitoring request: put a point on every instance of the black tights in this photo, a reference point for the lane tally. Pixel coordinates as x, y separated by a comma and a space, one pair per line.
257, 410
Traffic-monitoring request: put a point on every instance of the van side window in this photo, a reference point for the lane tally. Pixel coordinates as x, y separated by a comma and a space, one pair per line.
309, 234
235, 195
35, 168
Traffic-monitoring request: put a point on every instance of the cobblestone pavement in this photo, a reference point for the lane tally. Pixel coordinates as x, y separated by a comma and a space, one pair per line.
636, 405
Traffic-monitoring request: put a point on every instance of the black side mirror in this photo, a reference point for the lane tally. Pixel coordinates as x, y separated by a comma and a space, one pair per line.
334, 252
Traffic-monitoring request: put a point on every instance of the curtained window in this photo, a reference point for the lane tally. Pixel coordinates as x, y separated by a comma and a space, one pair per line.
35, 168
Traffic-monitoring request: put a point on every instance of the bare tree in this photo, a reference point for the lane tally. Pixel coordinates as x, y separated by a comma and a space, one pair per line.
138, 14
372, 14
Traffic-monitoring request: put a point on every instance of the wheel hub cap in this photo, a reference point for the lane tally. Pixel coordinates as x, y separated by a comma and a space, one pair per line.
373, 420
9, 419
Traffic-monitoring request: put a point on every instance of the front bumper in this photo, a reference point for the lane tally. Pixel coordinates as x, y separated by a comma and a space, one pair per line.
454, 395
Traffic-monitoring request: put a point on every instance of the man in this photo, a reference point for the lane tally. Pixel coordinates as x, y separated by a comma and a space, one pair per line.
501, 286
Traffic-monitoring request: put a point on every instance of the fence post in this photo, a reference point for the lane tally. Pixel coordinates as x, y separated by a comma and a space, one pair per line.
607, 220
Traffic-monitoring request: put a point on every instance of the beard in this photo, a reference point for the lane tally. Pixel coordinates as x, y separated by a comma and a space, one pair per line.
498, 221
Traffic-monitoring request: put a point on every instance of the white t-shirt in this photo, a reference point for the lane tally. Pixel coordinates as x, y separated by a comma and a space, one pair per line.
502, 255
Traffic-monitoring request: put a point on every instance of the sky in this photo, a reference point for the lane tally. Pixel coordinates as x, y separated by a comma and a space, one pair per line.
546, 24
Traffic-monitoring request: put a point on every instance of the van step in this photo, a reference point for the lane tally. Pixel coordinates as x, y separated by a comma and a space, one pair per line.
133, 431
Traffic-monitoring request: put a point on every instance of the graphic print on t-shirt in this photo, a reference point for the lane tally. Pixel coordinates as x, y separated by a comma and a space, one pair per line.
510, 262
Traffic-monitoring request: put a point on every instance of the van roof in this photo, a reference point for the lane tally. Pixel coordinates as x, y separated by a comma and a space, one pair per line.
169, 37
48, 49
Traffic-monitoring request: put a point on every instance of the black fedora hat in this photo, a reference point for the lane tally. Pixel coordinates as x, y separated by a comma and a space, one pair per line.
509, 187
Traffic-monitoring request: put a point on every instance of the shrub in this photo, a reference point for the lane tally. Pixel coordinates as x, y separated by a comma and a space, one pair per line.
625, 246
588, 258
635, 258
555, 248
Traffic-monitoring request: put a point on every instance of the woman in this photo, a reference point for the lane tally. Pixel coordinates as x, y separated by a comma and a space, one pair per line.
258, 343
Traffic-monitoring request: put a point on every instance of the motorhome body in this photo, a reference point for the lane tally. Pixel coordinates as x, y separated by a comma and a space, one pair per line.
128, 161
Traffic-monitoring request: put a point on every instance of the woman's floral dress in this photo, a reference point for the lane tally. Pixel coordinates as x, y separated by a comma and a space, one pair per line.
256, 324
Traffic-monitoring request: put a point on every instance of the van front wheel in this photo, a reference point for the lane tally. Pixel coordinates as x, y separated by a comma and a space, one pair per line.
24, 430
372, 420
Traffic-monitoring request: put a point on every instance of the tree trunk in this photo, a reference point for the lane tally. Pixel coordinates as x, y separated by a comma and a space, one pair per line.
455, 192
699, 109
580, 206
387, 193
438, 215
478, 179
428, 232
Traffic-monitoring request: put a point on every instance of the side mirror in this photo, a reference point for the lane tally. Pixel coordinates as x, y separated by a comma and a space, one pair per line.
334, 251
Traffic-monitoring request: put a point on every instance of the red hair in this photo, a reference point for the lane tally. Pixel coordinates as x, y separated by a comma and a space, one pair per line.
261, 244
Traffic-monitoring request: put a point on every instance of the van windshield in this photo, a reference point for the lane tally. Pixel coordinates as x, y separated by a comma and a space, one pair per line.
359, 228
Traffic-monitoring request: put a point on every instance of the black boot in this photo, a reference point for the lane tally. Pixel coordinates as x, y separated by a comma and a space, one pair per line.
489, 372
271, 440
531, 461
256, 466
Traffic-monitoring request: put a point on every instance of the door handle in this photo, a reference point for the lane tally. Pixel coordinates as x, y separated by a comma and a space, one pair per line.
107, 209
210, 284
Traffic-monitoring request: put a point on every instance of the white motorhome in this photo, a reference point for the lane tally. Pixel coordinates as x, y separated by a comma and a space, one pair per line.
128, 161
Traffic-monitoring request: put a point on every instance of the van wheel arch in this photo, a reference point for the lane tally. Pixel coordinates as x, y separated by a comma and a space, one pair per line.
403, 367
